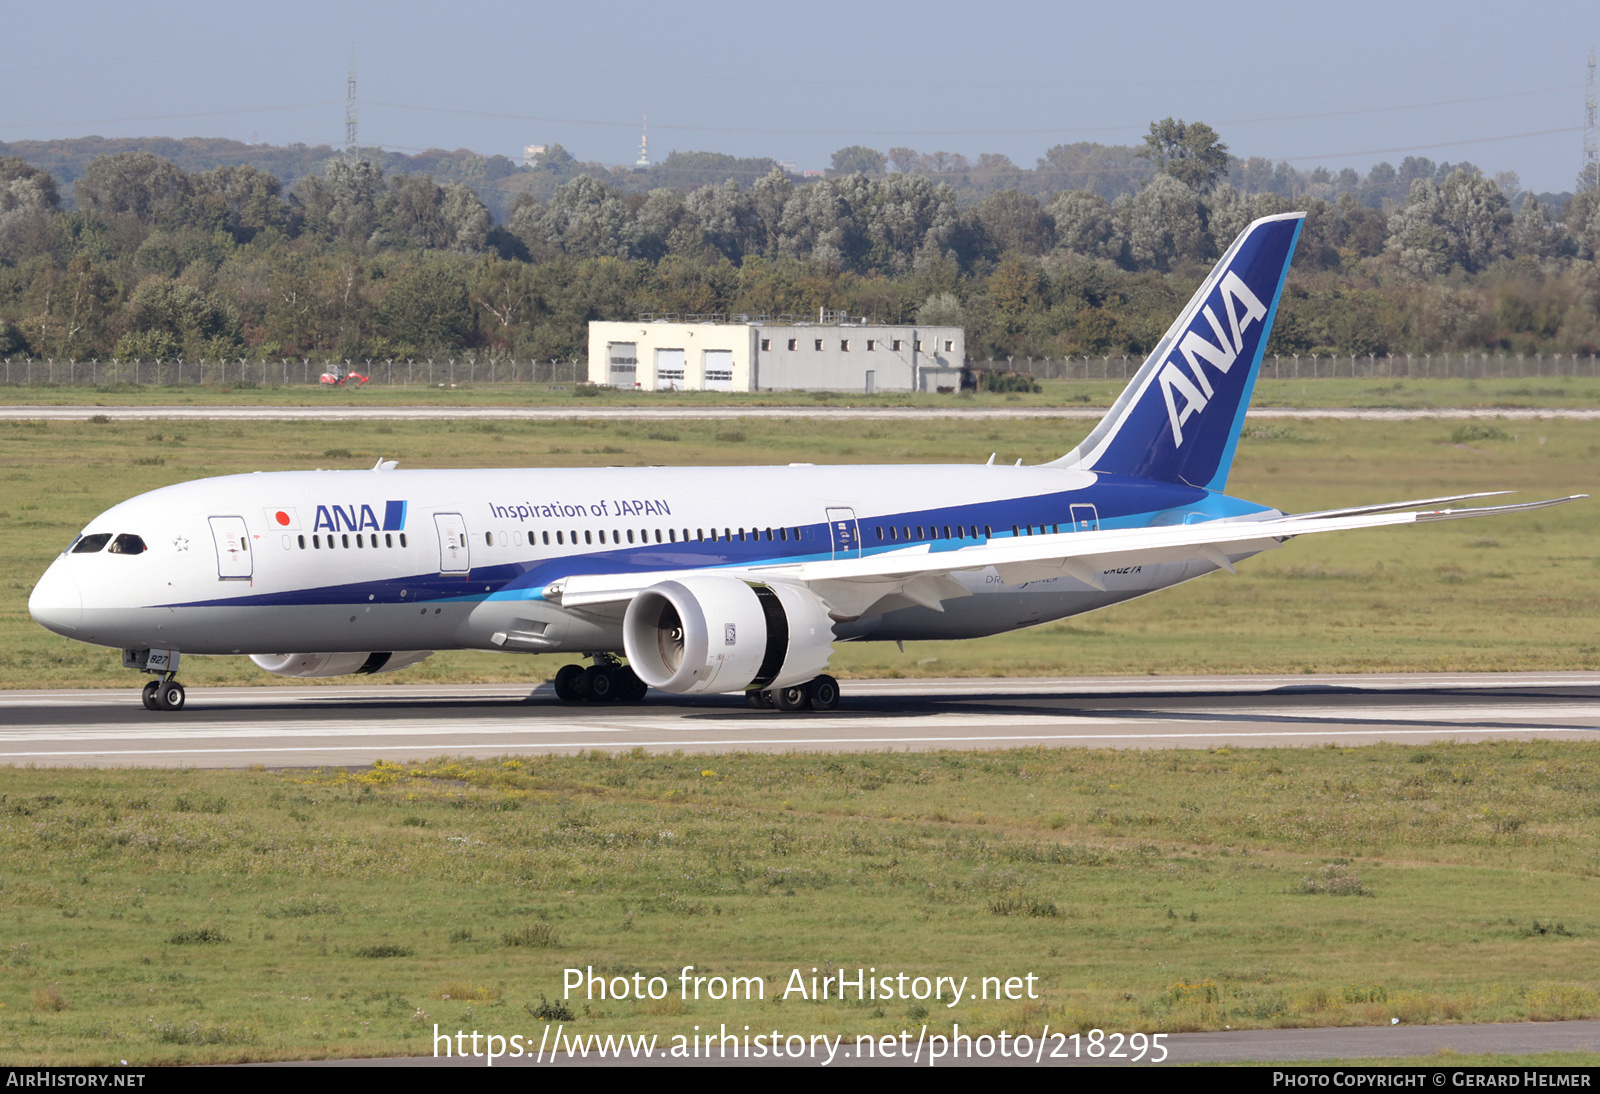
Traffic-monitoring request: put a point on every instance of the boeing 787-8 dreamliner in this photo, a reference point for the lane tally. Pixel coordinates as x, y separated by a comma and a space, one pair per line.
705, 579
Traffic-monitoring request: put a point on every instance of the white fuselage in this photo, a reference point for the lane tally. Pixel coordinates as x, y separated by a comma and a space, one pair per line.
320, 561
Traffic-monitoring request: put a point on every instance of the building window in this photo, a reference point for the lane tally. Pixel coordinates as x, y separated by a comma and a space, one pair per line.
819, 345
766, 344
872, 344
794, 343
919, 345
949, 345
897, 345
844, 345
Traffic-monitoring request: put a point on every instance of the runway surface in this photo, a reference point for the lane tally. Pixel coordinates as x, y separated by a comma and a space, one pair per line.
354, 725
682, 413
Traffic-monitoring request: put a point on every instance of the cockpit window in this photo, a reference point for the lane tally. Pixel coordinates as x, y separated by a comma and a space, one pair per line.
88, 545
127, 544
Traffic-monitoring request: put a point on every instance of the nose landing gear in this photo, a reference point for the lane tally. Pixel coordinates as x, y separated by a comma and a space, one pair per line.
163, 695
164, 692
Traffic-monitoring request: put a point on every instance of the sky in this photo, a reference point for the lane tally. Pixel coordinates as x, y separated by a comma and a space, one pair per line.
1334, 85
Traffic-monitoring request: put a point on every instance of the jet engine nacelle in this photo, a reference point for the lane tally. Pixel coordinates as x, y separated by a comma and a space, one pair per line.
307, 665
707, 634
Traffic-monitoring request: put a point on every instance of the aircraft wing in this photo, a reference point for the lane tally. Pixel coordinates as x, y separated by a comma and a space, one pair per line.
921, 575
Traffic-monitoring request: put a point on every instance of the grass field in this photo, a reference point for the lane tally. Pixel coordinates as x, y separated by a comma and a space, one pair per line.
172, 916
1549, 391
1520, 592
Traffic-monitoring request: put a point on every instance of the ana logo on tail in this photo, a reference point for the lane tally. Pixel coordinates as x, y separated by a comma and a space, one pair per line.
1242, 307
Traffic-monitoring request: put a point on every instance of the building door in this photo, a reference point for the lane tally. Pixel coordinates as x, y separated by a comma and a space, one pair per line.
846, 536
1085, 518
719, 370
622, 364
669, 370
872, 380
455, 556
232, 538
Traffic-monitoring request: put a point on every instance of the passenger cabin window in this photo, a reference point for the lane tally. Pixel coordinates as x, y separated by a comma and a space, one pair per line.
88, 545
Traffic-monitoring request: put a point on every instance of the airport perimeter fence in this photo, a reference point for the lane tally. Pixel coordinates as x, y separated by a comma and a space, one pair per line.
457, 372
284, 372
1463, 366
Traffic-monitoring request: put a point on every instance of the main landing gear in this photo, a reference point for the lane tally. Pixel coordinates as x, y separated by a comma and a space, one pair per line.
164, 692
607, 680
820, 694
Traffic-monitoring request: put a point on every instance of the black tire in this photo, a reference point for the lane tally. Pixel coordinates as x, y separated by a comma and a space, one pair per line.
758, 700
792, 698
568, 683
599, 684
823, 693
149, 695
170, 696
630, 689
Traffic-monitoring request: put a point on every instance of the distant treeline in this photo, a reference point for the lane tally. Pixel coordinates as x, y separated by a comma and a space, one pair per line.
206, 252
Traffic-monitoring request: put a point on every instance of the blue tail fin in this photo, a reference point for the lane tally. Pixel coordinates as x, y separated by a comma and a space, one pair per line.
1179, 419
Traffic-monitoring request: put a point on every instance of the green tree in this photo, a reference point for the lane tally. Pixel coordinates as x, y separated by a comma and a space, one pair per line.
1465, 223
858, 158
165, 318
425, 308
28, 203
1163, 225
1015, 222
1190, 152
1084, 224
136, 185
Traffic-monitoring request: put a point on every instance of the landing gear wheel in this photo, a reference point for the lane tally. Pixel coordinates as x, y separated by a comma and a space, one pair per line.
599, 683
758, 700
149, 695
823, 692
793, 697
169, 695
568, 683
630, 689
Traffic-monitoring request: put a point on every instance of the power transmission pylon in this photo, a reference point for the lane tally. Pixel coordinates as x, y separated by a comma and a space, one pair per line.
1589, 176
350, 146
644, 144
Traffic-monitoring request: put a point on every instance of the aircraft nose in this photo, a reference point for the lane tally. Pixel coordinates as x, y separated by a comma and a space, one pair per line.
57, 602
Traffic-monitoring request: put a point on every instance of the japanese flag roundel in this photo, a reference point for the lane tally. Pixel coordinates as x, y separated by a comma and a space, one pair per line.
283, 519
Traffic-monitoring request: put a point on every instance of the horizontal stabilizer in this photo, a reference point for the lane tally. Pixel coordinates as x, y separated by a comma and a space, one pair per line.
1396, 506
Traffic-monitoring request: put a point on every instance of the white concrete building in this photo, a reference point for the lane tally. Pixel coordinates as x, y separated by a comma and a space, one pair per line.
830, 353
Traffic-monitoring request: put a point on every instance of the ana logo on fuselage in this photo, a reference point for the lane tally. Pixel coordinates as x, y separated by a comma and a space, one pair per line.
1242, 308
358, 518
